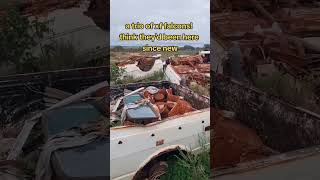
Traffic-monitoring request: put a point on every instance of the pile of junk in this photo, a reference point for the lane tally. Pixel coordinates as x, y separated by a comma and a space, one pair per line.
147, 105
193, 68
145, 63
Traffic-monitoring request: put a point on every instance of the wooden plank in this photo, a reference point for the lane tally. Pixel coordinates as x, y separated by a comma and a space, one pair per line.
30, 123
22, 137
51, 101
48, 105
79, 95
56, 93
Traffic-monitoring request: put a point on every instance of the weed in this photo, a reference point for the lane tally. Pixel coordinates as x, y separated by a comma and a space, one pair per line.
190, 166
199, 89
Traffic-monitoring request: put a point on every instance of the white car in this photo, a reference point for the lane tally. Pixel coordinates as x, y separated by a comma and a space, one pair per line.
139, 152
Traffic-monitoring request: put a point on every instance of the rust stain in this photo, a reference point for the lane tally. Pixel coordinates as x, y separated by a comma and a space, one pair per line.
251, 23
160, 142
144, 62
192, 68
233, 143
166, 104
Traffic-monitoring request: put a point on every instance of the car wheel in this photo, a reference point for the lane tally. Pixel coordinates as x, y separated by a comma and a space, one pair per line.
157, 170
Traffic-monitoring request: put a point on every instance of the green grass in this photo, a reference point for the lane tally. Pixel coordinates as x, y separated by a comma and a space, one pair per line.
63, 55
190, 166
202, 90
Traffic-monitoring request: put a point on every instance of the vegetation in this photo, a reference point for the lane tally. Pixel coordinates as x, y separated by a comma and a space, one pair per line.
62, 54
200, 89
300, 93
187, 47
18, 38
116, 73
190, 166
207, 46
118, 48
22, 47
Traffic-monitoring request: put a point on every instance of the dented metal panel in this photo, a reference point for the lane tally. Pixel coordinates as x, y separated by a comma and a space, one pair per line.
134, 145
131, 146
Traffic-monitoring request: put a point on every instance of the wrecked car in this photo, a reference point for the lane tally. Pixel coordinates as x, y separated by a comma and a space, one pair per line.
160, 121
140, 66
155, 121
186, 69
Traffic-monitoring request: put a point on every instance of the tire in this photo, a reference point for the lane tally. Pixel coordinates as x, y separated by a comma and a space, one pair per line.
157, 170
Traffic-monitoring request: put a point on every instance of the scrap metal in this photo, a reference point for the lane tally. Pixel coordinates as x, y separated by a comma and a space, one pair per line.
192, 68
162, 101
145, 63
266, 33
263, 39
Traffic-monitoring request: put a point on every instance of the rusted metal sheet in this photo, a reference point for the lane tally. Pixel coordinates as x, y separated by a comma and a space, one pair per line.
190, 68
145, 63
250, 24
203, 68
267, 33
187, 60
146, 107
301, 22
234, 25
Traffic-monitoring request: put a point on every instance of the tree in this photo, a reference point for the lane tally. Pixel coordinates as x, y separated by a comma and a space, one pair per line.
118, 48
116, 73
206, 46
18, 38
188, 47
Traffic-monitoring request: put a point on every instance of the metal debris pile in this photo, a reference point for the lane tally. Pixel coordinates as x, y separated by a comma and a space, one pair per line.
67, 116
270, 32
145, 63
148, 105
192, 68
233, 142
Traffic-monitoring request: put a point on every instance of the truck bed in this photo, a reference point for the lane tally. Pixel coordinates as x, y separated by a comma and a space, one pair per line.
283, 127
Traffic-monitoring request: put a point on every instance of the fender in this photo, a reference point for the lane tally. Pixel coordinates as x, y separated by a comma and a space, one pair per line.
160, 152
